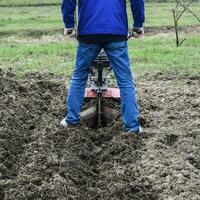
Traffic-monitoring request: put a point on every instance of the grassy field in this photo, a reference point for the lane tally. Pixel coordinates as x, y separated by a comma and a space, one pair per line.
27, 2
48, 18
57, 54
24, 48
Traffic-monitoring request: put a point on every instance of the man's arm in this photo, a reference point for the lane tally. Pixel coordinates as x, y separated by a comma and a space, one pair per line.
137, 7
68, 12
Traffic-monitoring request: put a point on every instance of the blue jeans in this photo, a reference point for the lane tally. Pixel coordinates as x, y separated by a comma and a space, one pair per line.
117, 53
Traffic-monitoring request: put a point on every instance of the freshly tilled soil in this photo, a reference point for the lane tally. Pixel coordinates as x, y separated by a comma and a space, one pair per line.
40, 160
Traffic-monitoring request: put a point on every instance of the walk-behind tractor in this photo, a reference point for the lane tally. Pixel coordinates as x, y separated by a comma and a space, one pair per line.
96, 112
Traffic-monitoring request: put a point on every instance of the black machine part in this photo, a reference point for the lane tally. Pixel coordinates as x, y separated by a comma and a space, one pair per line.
99, 115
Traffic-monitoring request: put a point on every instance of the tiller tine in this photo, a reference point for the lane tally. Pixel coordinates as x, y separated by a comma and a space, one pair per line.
108, 115
90, 116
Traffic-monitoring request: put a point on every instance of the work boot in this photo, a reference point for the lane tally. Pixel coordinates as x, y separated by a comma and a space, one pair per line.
139, 132
64, 123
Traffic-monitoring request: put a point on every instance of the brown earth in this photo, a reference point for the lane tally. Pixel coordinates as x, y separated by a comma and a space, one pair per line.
40, 160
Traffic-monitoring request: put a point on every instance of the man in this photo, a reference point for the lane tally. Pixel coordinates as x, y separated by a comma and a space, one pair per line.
103, 24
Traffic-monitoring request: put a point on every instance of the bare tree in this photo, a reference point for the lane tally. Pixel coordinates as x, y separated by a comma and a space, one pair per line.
177, 16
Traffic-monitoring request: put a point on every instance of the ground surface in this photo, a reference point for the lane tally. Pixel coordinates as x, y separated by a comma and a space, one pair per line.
41, 160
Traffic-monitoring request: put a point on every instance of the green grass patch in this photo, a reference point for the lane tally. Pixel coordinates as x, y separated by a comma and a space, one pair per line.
30, 18
39, 45
32, 56
160, 14
160, 54
44, 18
56, 54
27, 2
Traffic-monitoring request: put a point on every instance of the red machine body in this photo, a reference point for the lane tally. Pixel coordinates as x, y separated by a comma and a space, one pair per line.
108, 93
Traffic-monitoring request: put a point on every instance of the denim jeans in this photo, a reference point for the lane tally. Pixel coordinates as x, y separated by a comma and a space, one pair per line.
117, 53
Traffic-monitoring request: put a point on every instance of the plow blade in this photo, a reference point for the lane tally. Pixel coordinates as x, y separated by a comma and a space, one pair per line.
90, 116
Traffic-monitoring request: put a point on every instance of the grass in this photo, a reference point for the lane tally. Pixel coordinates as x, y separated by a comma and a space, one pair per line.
27, 2
30, 18
48, 18
32, 55
56, 54
160, 14
159, 53
30, 50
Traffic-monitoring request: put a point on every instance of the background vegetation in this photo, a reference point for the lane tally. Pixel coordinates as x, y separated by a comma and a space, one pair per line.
31, 39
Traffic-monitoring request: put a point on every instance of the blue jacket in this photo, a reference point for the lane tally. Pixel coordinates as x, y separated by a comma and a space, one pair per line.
102, 16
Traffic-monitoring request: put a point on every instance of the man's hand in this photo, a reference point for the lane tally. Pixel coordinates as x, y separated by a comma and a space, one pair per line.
71, 32
136, 32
